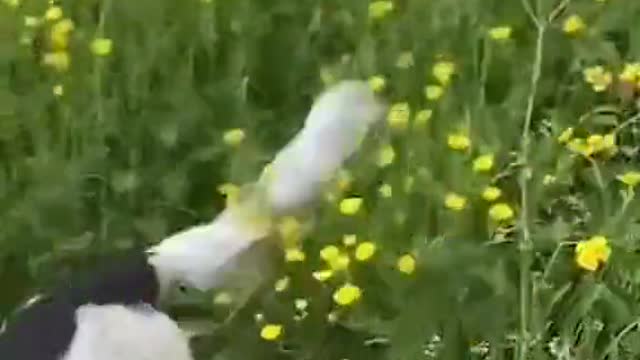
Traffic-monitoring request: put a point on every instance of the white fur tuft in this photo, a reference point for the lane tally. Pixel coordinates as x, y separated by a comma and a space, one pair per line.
198, 256
333, 130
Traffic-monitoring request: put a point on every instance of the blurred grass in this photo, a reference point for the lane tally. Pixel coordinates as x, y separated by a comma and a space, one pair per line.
133, 150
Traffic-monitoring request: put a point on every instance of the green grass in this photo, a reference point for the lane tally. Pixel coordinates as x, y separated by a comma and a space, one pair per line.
133, 150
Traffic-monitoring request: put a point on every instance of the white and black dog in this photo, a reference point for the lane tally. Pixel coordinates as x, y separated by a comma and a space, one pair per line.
114, 314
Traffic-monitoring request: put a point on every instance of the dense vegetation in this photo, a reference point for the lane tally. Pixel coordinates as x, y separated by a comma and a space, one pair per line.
496, 218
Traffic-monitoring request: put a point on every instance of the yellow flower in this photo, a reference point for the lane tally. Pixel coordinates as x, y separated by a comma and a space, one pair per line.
455, 202
422, 117
58, 60
385, 190
593, 252
483, 163
630, 178
581, 147
329, 252
294, 255
322, 275
491, 193
442, 71
347, 294
630, 73
101, 46
598, 78
386, 156
406, 264
610, 141
500, 33
349, 239
501, 212
282, 284
380, 9
405, 60
573, 25
336, 260
600, 143
53, 13
350, 206
60, 34
433, 92
271, 332
234, 137
604, 144
458, 142
377, 83
566, 135
594, 144
58, 90
596, 141
398, 117
340, 262
365, 251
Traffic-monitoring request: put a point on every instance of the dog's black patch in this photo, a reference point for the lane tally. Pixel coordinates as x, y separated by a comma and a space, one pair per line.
44, 330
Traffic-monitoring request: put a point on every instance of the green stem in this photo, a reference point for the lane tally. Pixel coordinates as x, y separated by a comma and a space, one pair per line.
529, 10
97, 78
97, 75
484, 69
627, 122
554, 257
526, 244
597, 174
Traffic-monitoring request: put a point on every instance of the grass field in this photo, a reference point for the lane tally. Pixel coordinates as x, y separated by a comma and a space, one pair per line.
498, 218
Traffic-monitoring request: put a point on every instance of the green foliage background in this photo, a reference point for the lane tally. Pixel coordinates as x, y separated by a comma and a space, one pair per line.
133, 151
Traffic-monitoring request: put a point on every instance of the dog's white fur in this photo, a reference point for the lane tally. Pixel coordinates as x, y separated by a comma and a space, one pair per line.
117, 332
